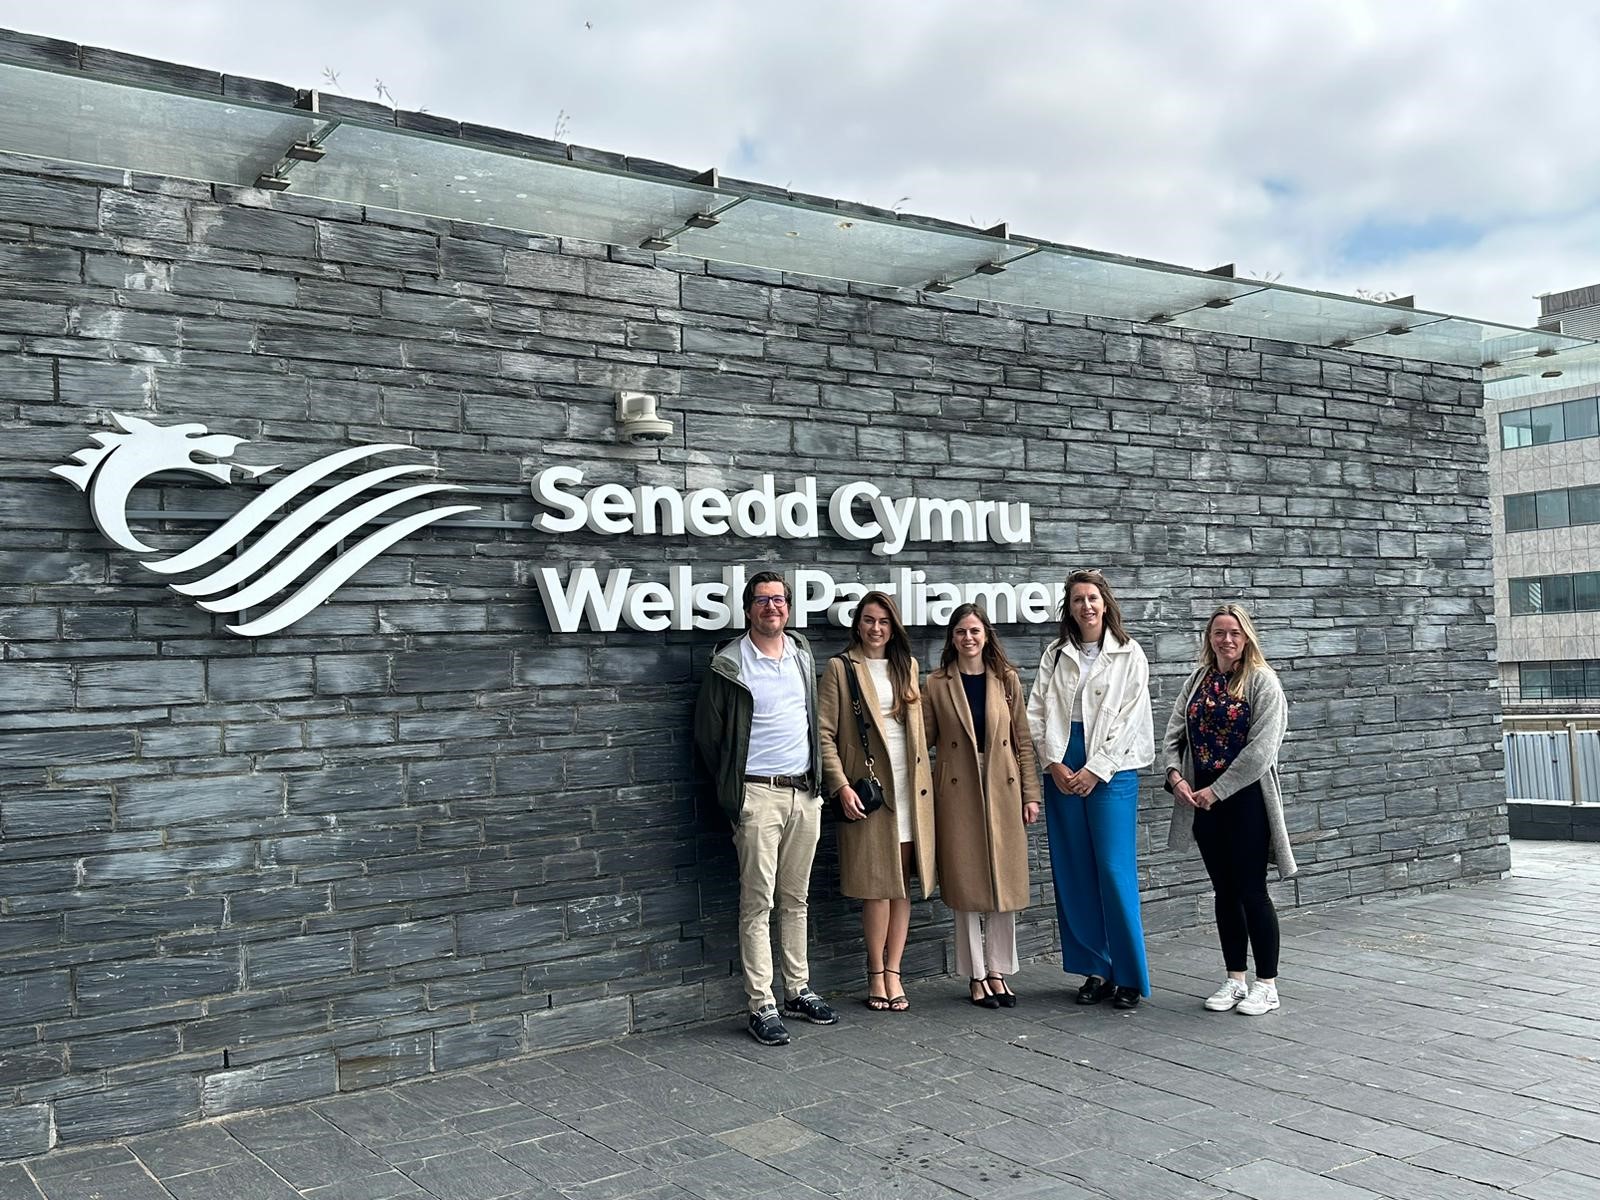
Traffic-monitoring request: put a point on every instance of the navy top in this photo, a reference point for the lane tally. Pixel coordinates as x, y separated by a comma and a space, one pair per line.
1219, 727
977, 689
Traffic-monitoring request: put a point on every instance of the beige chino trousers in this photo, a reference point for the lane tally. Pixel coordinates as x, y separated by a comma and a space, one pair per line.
776, 839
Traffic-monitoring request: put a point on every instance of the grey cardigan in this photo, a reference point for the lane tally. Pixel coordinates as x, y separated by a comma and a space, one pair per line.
1256, 763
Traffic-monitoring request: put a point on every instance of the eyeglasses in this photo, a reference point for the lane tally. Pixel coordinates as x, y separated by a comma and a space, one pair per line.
769, 602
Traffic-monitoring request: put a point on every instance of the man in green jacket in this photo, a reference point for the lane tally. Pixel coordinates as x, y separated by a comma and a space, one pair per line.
755, 725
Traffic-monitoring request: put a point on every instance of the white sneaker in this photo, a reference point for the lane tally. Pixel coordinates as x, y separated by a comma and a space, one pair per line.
1262, 998
1227, 996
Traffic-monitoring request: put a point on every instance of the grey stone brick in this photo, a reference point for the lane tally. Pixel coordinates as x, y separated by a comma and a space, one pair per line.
35, 996
55, 202
121, 986
578, 1024
260, 229
545, 271
231, 283
508, 929
250, 679
281, 1081
443, 671
295, 960
345, 789
24, 1131
121, 1111
50, 748
410, 942
377, 246
155, 803
371, 1064
123, 1047
477, 1043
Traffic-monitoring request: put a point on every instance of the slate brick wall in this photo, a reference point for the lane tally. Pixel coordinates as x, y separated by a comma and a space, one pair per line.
419, 831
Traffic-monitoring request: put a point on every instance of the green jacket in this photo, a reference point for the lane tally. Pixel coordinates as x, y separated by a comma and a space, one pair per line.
722, 719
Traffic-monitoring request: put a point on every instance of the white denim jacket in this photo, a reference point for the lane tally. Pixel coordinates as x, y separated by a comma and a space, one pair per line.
1118, 730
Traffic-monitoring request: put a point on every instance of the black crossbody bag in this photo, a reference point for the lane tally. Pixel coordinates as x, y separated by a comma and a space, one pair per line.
868, 790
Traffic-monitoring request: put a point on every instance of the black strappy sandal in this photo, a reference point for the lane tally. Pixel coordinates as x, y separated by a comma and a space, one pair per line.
983, 998
897, 1003
876, 1003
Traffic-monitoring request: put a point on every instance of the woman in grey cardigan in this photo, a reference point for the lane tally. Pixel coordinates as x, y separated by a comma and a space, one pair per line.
1221, 758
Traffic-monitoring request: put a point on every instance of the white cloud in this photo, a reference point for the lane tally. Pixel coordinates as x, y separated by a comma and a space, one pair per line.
1149, 128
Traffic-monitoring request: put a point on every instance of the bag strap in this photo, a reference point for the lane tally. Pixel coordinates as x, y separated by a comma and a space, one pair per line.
860, 711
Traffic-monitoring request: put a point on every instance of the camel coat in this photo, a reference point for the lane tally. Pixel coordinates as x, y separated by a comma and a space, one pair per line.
869, 849
983, 844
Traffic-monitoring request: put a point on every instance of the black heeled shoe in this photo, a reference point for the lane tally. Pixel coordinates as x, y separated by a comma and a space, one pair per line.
1000, 990
979, 994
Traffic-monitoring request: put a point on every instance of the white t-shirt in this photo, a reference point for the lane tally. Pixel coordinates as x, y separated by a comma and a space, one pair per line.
780, 733
1089, 653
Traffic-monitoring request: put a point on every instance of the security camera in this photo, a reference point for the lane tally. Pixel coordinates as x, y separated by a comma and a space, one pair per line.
637, 419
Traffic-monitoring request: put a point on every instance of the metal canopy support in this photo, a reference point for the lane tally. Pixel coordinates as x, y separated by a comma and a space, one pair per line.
311, 150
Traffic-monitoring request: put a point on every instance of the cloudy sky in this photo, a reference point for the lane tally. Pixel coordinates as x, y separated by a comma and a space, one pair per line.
1442, 147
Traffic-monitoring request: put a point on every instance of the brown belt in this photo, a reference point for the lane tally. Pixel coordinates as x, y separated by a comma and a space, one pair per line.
802, 782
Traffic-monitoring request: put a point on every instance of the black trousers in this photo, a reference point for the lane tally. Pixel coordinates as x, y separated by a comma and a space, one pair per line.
1233, 840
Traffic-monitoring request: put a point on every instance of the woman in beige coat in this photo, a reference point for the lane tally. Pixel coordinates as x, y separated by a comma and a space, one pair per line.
878, 851
985, 793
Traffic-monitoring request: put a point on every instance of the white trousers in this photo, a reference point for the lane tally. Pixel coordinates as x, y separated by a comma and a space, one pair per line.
986, 943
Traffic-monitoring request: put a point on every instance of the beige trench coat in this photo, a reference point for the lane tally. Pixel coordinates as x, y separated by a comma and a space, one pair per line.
869, 849
983, 843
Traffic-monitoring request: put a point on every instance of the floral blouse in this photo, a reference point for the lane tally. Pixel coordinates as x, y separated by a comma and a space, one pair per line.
1219, 725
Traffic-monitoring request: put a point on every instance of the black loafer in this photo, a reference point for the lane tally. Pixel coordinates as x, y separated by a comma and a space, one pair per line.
1126, 998
1094, 990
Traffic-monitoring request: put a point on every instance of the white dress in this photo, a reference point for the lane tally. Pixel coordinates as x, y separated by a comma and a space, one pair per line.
895, 742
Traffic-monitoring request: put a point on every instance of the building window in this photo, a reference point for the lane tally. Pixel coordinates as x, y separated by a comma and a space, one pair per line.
1521, 515
1586, 592
1516, 429
1585, 505
1551, 508
1555, 509
1570, 679
1539, 595
1547, 423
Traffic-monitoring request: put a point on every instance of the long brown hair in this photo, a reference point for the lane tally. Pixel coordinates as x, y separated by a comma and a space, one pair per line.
898, 651
1251, 659
1113, 617
994, 654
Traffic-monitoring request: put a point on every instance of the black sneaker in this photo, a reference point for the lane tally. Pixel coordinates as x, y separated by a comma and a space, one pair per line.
767, 1027
809, 1006
1126, 998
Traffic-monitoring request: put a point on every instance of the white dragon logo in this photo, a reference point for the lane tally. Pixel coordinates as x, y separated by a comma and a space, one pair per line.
279, 556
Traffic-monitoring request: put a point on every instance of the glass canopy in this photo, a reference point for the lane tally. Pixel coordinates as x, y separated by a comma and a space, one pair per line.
74, 117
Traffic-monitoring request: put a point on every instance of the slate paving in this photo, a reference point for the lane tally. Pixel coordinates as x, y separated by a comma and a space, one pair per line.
1435, 1046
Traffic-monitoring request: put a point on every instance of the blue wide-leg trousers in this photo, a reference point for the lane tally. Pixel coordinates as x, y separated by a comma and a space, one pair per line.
1096, 875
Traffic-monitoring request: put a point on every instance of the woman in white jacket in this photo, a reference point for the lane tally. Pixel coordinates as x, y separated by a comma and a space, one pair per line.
1090, 718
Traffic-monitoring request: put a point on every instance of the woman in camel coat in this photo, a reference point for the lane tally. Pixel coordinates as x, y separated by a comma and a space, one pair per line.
986, 793
879, 851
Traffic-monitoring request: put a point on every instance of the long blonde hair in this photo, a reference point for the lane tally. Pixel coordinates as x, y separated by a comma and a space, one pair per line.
1251, 659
